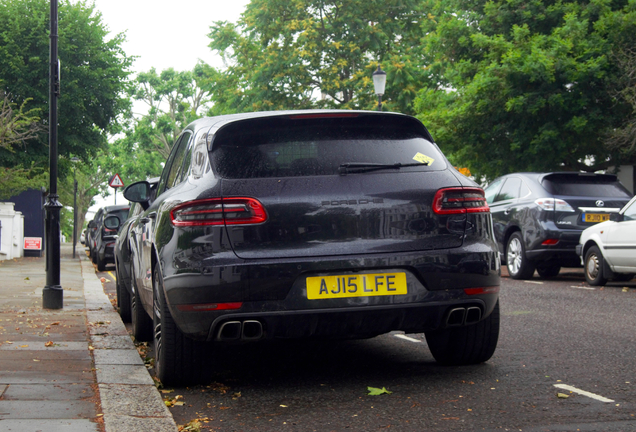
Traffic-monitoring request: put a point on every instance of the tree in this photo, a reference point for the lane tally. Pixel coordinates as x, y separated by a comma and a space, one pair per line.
174, 99
318, 54
18, 126
94, 74
524, 85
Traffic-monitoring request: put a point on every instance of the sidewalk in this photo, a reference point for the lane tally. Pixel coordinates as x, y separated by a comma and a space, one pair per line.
74, 369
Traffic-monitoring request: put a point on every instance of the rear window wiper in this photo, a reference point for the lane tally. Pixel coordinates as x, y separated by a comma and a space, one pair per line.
352, 167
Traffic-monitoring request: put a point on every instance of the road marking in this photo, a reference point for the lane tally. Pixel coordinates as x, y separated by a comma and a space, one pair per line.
534, 282
582, 287
405, 337
112, 275
583, 393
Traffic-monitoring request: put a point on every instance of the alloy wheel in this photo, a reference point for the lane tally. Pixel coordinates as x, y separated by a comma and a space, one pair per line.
514, 256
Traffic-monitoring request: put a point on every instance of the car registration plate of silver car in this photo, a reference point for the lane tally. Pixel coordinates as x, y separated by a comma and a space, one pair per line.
596, 217
359, 285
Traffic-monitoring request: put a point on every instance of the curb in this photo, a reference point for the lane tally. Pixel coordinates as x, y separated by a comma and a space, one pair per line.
130, 400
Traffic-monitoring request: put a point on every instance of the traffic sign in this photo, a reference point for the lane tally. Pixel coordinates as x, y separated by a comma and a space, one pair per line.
115, 181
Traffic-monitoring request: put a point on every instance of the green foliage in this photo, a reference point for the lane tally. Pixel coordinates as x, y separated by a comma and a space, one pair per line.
525, 85
317, 54
94, 73
174, 99
17, 125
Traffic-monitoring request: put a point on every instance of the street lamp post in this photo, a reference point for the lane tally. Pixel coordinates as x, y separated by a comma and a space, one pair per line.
379, 83
74, 160
52, 294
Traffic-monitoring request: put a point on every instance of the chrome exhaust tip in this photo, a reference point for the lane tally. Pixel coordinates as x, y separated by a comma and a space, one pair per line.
229, 331
252, 330
473, 315
456, 317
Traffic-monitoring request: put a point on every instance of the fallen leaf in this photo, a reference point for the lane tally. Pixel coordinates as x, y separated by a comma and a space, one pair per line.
36, 360
625, 289
562, 395
55, 323
166, 391
373, 391
26, 278
49, 344
24, 346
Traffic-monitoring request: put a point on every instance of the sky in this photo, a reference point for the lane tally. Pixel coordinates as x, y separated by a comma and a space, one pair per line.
163, 35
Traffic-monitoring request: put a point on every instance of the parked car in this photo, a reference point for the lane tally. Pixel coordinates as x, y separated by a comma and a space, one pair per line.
538, 217
608, 249
82, 237
310, 224
103, 236
88, 238
122, 254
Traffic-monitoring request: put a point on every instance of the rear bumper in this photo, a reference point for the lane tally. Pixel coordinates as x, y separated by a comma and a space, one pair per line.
274, 293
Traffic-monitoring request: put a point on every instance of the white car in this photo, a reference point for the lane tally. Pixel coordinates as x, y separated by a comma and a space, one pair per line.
608, 249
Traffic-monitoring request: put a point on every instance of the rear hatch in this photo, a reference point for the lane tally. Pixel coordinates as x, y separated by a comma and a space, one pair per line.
325, 193
590, 198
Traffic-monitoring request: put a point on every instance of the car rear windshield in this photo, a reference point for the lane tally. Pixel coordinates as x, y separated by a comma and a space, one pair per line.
300, 146
582, 185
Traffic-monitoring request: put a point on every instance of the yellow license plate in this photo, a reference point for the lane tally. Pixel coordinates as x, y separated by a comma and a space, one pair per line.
361, 285
597, 217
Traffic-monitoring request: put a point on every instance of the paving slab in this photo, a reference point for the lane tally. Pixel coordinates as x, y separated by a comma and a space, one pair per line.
35, 345
69, 409
123, 374
45, 377
48, 425
112, 342
48, 392
116, 423
117, 357
133, 400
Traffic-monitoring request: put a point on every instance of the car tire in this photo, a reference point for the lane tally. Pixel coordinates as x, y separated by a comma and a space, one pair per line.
101, 264
594, 262
548, 271
141, 322
471, 344
177, 357
123, 299
519, 267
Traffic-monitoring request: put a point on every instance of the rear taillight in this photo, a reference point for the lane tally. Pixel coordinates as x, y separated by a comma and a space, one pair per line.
552, 204
209, 307
550, 242
460, 200
219, 211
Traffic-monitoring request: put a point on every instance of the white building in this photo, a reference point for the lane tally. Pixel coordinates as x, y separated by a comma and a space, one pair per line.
11, 232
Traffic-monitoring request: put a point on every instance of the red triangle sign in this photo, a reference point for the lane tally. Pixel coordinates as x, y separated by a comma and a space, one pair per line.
115, 182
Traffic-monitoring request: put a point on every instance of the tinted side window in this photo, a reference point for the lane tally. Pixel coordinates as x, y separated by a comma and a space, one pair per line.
174, 176
167, 169
491, 190
510, 189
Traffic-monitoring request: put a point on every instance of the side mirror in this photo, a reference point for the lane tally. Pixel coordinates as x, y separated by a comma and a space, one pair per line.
616, 217
139, 192
91, 224
112, 222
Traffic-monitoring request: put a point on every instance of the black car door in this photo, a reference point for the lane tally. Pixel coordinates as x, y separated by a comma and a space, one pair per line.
504, 208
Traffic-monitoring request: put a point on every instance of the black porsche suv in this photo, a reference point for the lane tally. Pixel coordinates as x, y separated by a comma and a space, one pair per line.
311, 224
